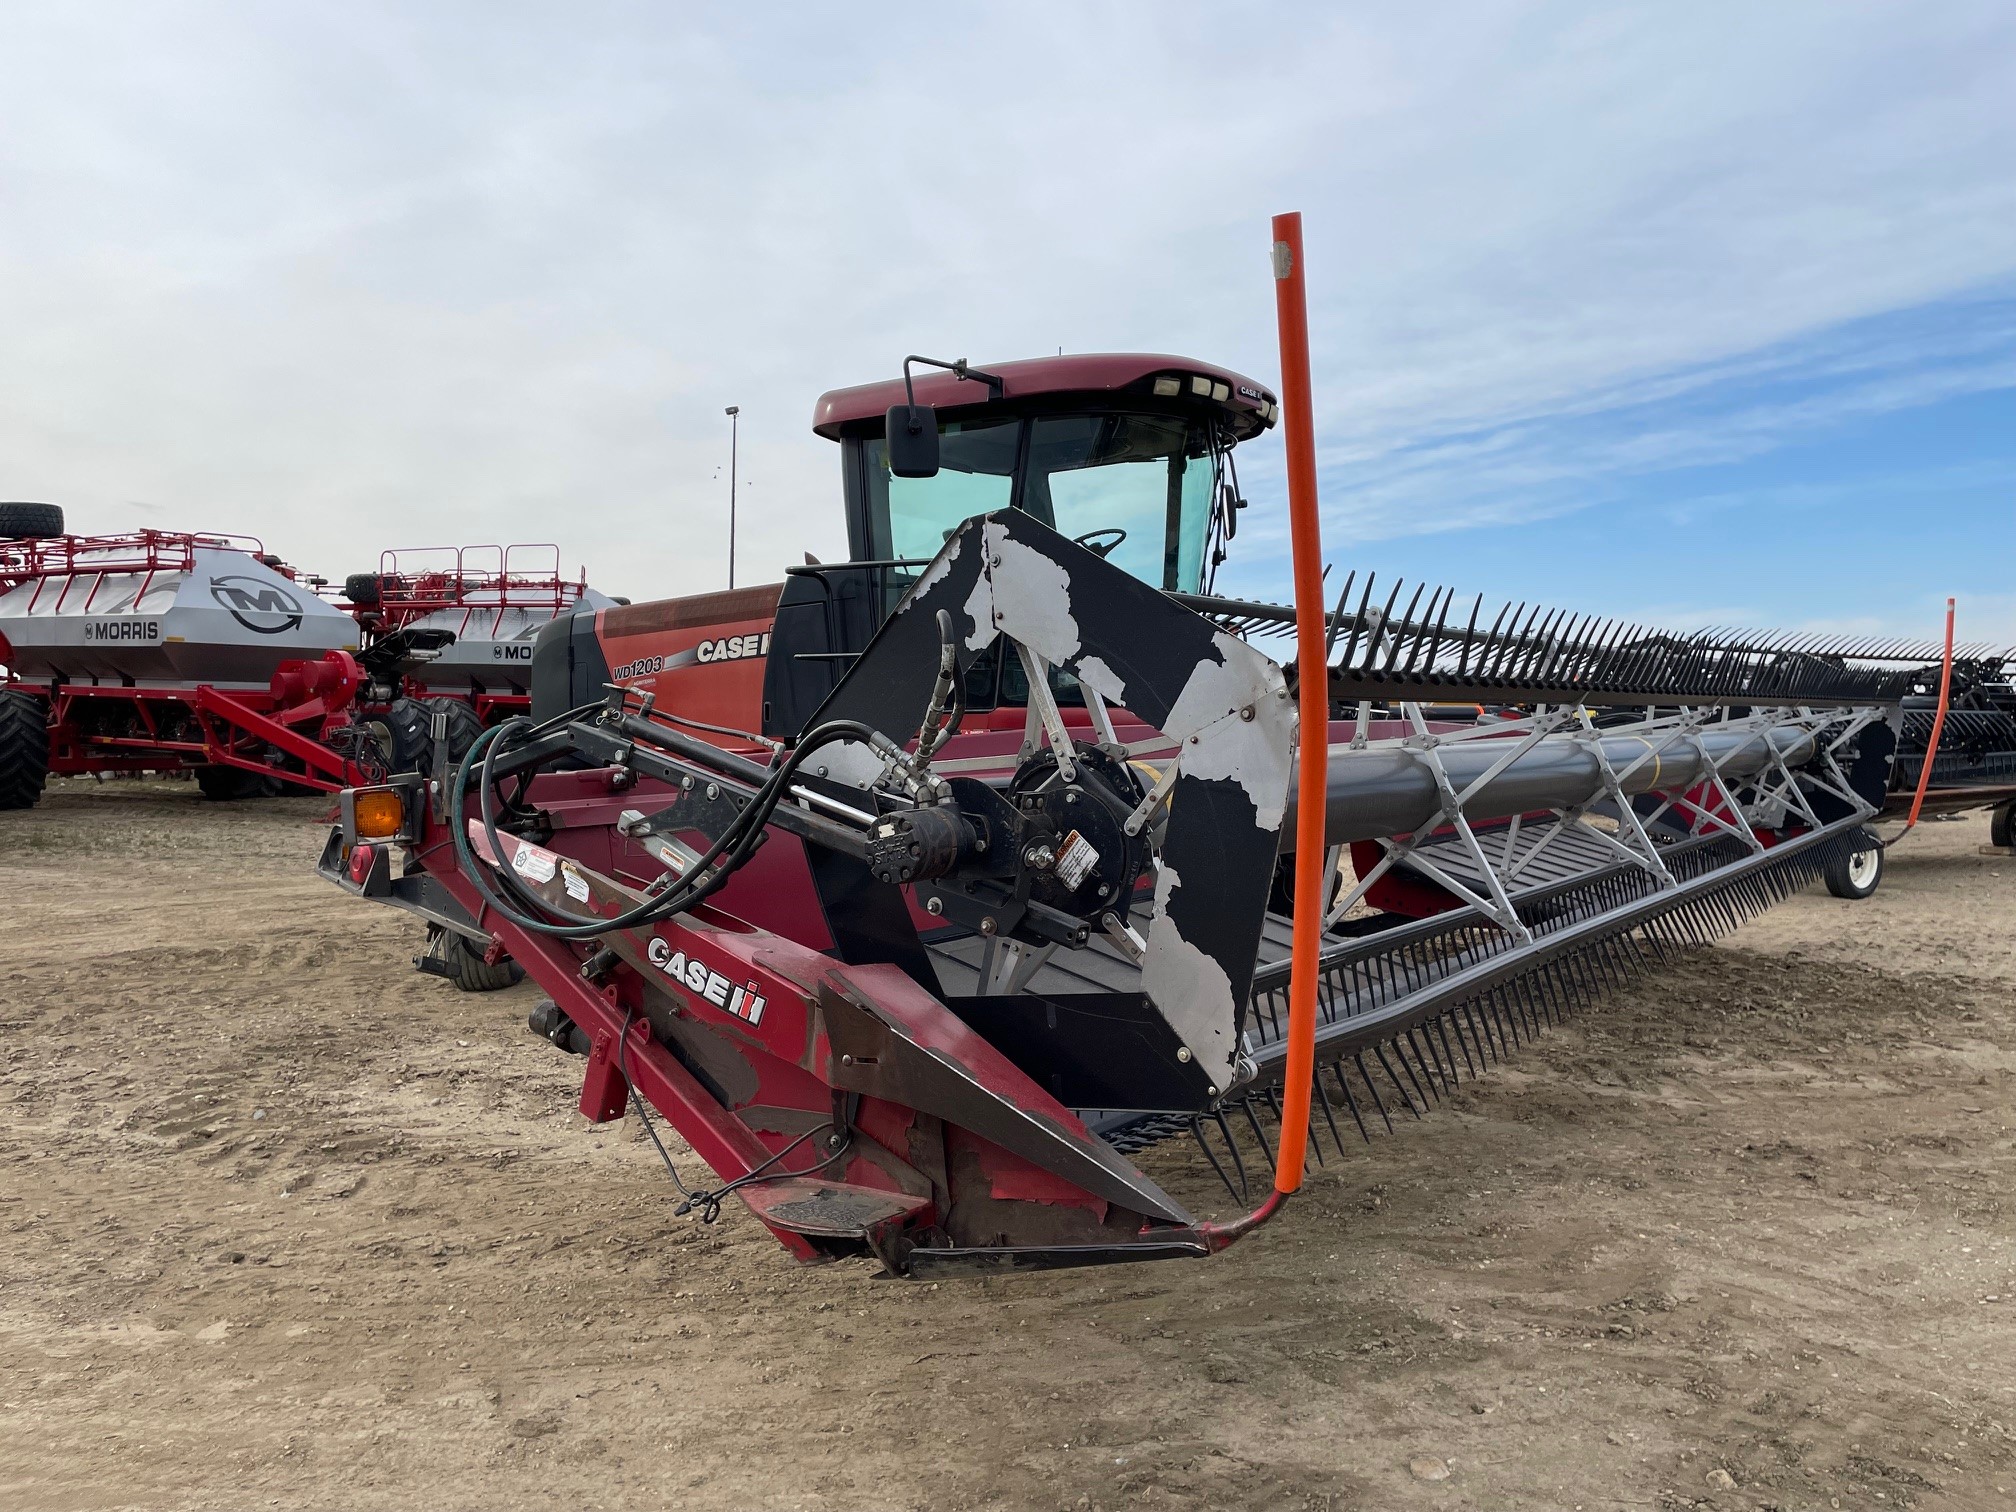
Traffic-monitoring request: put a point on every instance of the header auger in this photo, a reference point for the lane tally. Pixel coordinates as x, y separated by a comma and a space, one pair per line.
923, 892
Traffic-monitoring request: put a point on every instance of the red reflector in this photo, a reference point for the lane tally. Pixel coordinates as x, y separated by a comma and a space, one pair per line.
361, 857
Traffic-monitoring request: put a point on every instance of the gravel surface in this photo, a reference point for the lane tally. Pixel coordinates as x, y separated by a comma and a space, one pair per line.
284, 1223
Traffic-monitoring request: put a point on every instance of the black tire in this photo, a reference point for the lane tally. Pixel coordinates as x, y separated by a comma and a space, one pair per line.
361, 588
27, 522
465, 725
2002, 825
411, 748
229, 784
411, 723
24, 750
467, 968
1856, 869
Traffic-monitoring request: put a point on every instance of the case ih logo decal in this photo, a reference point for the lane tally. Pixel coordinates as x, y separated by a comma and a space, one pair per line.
733, 648
695, 975
97, 632
261, 607
727, 648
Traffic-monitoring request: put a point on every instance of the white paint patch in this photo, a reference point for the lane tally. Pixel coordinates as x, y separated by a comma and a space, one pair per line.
1190, 989
1103, 680
1032, 597
1256, 752
937, 572
980, 610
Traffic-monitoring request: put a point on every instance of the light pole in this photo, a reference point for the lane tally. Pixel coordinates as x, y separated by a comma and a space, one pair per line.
734, 429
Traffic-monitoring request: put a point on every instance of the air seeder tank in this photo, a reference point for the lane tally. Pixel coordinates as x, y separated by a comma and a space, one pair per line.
164, 650
158, 608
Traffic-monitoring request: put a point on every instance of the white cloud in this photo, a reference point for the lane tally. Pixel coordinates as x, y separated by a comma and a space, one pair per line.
355, 276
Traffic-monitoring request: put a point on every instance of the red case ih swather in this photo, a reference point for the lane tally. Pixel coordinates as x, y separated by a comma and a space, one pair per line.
924, 891
164, 649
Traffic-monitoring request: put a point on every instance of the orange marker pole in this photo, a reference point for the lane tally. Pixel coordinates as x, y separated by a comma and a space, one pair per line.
1298, 435
1938, 725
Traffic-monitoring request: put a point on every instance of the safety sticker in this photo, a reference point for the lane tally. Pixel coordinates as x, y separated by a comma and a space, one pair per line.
1075, 859
533, 864
574, 882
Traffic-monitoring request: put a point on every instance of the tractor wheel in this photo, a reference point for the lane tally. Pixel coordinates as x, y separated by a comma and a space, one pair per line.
411, 722
228, 784
1855, 870
24, 750
465, 726
2002, 825
28, 522
406, 720
361, 588
467, 968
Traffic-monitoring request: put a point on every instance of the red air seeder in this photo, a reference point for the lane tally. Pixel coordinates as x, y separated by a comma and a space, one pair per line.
175, 650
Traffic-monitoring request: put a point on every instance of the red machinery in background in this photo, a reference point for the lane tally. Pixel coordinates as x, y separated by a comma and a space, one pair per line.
464, 617
202, 651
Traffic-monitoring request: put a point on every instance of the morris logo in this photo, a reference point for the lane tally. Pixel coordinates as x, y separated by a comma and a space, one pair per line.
261, 607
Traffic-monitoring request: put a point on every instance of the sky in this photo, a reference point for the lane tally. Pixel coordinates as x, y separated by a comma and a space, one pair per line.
1700, 314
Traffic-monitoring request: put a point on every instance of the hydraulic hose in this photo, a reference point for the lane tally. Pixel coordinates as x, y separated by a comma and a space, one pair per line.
736, 842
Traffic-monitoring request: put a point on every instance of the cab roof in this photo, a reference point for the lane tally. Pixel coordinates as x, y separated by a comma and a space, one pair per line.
1247, 406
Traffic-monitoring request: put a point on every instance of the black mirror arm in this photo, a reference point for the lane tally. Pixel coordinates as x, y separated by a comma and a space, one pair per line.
959, 369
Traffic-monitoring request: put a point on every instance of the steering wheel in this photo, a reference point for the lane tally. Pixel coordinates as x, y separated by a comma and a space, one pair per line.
1091, 541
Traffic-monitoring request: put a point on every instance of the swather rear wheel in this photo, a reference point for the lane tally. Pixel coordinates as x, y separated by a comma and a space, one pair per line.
467, 968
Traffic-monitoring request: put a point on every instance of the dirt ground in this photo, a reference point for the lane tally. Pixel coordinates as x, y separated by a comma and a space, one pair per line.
284, 1223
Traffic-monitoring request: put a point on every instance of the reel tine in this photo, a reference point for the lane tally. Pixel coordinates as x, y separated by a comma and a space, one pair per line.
1365, 1077
1469, 637
1237, 1192
1442, 1028
1350, 1102
1329, 1115
1407, 624
1246, 1107
1232, 1145
1358, 623
1337, 619
1379, 1053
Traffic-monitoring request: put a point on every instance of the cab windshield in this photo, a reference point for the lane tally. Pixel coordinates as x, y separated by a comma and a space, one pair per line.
1136, 487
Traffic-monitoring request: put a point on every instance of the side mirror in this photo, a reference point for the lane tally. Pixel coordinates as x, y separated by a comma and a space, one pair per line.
1229, 506
913, 441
